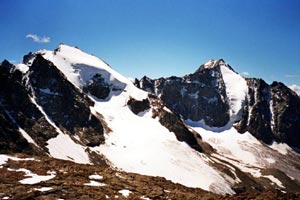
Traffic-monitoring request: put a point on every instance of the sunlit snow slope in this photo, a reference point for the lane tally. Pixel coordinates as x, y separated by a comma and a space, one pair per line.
236, 89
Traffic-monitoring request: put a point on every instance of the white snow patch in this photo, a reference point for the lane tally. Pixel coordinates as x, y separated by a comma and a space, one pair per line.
236, 89
145, 198
22, 67
34, 178
95, 176
281, 147
125, 193
272, 115
210, 64
48, 91
27, 136
63, 147
5, 158
95, 183
120, 176
274, 180
43, 189
167, 109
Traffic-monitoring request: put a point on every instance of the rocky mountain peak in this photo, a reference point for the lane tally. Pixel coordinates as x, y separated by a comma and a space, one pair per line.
6, 65
213, 64
28, 58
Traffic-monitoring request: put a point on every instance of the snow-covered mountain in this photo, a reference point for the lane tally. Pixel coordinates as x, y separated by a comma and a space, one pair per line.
203, 130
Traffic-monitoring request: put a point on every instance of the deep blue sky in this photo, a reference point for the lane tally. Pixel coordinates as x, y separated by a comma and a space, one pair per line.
162, 37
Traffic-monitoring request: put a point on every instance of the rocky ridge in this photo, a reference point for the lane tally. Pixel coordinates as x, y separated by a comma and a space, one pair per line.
268, 112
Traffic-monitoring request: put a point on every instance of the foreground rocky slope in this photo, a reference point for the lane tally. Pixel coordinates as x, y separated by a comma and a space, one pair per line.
40, 178
75, 181
69, 105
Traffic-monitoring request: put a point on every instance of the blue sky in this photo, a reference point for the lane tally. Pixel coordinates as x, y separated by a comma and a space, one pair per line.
162, 37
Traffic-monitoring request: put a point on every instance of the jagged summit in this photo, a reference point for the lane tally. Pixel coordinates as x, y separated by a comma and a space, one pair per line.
215, 93
218, 97
211, 64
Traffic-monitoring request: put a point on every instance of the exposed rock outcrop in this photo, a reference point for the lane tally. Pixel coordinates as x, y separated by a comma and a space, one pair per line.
97, 87
66, 105
285, 114
174, 124
257, 115
138, 106
11, 140
272, 113
16, 101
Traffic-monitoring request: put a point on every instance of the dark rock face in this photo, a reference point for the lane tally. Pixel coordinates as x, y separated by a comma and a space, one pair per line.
174, 124
198, 96
63, 103
28, 58
16, 101
97, 87
286, 114
146, 84
138, 106
257, 114
272, 113
11, 139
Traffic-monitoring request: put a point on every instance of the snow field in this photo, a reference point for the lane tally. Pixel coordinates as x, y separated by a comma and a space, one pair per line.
236, 89
34, 178
141, 145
